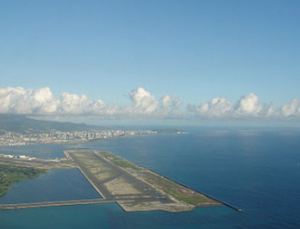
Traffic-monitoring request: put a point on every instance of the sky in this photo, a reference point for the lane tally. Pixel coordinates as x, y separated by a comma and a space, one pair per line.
188, 61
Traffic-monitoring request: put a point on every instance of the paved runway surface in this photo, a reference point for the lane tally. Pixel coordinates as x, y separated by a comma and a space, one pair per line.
148, 193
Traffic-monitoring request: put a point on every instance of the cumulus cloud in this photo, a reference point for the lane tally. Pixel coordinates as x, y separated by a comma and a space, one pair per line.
217, 108
247, 106
74, 104
292, 109
21, 101
143, 104
169, 102
43, 102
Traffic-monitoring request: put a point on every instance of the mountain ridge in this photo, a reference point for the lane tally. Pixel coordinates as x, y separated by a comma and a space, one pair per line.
22, 123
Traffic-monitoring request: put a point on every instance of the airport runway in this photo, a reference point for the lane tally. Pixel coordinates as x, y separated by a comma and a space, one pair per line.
148, 192
145, 188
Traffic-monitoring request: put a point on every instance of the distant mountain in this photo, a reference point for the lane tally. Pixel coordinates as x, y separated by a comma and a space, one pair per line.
21, 123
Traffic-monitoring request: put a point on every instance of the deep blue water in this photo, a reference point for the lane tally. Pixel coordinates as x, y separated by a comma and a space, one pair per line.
256, 170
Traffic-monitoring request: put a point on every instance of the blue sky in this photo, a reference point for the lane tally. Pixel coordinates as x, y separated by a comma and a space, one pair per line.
193, 51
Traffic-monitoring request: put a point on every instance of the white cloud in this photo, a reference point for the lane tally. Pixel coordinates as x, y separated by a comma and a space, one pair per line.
169, 102
170, 107
249, 105
217, 108
46, 102
21, 101
144, 104
246, 107
292, 109
41, 101
74, 104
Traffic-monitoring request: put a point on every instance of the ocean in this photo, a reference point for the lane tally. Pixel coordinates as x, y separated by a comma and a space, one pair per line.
257, 170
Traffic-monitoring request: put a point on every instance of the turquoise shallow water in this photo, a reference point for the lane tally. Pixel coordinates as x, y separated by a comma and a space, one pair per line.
257, 170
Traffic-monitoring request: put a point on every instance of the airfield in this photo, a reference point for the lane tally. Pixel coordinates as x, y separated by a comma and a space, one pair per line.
133, 187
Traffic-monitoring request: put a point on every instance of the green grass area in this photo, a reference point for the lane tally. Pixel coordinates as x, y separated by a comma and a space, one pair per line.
10, 174
177, 191
119, 161
125, 164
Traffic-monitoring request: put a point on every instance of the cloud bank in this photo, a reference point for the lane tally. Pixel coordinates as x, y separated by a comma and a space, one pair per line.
143, 105
43, 102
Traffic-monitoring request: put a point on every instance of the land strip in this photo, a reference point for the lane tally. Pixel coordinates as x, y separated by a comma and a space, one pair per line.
46, 164
54, 204
133, 187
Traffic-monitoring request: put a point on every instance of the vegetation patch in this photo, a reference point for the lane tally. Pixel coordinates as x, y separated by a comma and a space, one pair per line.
119, 161
177, 191
10, 174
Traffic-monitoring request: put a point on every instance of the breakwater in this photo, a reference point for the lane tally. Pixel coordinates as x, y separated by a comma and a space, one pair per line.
54, 203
